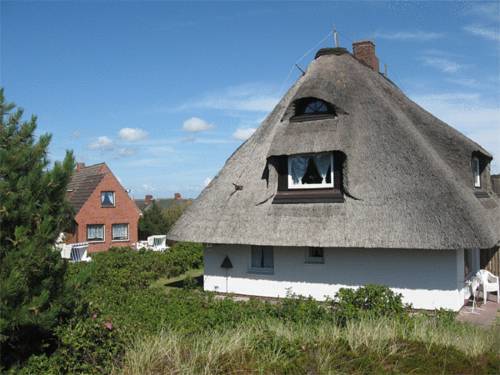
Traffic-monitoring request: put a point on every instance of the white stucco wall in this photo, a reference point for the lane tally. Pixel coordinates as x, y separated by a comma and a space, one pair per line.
428, 279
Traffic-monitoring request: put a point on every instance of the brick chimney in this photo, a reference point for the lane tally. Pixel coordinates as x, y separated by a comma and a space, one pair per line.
177, 196
80, 166
148, 199
364, 51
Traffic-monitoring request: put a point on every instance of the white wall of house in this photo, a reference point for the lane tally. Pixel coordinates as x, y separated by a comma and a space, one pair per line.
428, 279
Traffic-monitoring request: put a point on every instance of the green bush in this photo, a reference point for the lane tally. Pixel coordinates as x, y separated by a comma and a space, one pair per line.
376, 300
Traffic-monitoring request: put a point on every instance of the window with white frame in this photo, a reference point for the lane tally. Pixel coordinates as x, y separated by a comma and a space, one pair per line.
95, 232
476, 171
310, 171
119, 232
262, 259
107, 198
315, 255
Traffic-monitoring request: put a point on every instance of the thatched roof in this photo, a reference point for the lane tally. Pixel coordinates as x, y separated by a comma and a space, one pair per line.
408, 174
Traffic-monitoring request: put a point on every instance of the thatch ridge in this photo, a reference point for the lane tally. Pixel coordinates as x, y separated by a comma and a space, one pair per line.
409, 170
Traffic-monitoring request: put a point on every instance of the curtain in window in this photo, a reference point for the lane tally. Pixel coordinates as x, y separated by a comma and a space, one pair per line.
95, 232
298, 167
256, 256
120, 231
262, 257
323, 162
108, 198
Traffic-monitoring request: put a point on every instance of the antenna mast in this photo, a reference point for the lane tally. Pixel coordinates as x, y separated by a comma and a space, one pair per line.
335, 37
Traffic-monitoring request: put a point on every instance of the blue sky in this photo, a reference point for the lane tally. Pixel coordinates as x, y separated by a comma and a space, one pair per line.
165, 91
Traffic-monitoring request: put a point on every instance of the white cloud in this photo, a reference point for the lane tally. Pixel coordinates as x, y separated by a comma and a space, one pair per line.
418, 36
471, 115
243, 98
132, 134
196, 124
126, 151
207, 181
442, 64
484, 32
243, 133
102, 143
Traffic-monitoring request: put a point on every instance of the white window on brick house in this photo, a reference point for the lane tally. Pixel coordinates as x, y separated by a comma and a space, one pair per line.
119, 232
95, 232
107, 198
262, 259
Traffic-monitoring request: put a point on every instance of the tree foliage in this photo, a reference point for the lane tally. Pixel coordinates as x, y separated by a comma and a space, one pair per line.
32, 212
158, 221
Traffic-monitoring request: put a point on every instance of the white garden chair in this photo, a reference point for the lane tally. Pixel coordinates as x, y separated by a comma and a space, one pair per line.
474, 284
157, 242
489, 283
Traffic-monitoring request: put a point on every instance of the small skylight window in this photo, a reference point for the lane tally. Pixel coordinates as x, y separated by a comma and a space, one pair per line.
308, 109
316, 106
476, 171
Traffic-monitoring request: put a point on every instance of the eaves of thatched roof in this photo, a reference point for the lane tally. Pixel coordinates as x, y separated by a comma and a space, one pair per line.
408, 174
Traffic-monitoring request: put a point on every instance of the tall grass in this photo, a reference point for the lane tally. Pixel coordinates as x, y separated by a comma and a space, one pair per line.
370, 344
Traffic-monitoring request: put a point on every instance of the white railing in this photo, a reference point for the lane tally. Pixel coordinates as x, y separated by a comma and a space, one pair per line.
75, 252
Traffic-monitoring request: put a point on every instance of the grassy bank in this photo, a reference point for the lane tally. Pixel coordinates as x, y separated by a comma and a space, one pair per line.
368, 345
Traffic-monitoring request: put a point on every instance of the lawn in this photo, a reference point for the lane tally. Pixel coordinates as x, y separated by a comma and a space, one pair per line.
187, 279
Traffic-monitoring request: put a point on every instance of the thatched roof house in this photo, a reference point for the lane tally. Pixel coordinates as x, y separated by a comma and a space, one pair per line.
347, 161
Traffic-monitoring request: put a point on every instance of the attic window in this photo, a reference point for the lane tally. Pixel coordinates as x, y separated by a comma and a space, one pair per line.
310, 171
107, 199
309, 178
476, 172
309, 109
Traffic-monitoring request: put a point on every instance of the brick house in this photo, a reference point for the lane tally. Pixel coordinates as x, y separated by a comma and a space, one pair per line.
105, 215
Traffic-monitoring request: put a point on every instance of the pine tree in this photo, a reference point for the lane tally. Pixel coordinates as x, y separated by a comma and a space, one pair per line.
152, 222
33, 210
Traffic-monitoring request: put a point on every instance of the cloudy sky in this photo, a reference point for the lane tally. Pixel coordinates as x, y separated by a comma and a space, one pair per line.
164, 92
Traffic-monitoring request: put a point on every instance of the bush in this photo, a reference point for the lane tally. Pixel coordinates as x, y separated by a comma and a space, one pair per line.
376, 300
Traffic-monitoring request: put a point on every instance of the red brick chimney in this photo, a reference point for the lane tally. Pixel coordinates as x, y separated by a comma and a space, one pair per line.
364, 51
177, 196
80, 166
148, 199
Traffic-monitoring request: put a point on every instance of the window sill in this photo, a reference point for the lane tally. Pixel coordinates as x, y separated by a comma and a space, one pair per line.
312, 117
309, 261
481, 194
124, 240
261, 271
96, 241
309, 196
107, 206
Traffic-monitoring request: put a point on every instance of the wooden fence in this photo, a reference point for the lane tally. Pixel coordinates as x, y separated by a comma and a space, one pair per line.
490, 260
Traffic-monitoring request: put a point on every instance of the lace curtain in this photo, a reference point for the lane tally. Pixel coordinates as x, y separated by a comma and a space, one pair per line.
95, 232
298, 166
120, 231
108, 198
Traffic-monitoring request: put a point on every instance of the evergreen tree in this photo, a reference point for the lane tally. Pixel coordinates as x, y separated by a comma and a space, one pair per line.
33, 210
152, 222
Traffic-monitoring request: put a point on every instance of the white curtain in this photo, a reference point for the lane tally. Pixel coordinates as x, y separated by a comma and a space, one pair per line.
323, 163
95, 232
108, 198
120, 231
298, 167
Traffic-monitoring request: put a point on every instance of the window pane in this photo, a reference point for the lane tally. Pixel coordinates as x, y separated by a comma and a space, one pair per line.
310, 171
316, 106
120, 231
316, 252
108, 198
268, 258
477, 172
256, 257
95, 232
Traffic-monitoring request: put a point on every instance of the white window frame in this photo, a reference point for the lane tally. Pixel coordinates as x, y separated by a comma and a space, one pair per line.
260, 270
292, 185
476, 171
312, 259
114, 198
120, 240
103, 233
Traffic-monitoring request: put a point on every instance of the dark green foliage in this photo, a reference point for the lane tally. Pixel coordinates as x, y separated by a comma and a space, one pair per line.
372, 299
33, 212
152, 222
158, 221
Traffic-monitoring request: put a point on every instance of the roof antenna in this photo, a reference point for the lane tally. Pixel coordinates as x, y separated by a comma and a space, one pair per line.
335, 37
299, 68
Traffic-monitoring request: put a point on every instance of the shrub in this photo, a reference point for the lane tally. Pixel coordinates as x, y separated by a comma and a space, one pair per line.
376, 300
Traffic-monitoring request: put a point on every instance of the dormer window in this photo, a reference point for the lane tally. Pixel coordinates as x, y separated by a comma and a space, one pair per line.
310, 171
476, 172
309, 178
309, 109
